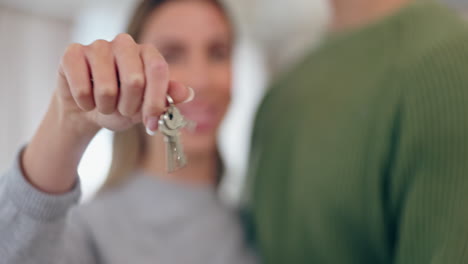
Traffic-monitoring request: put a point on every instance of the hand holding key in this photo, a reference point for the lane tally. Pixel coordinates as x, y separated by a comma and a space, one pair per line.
112, 85
115, 84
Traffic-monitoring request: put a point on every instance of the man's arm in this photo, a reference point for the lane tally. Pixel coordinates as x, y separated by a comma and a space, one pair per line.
429, 191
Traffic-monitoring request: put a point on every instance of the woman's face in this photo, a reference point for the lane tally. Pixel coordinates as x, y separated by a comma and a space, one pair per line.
195, 38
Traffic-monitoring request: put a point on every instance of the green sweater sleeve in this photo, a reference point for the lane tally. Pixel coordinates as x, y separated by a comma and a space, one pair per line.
429, 186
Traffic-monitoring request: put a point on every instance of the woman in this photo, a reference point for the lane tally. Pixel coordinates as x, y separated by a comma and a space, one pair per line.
143, 214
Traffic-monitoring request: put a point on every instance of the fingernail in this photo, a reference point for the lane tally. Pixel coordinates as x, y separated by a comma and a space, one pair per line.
149, 132
152, 126
191, 95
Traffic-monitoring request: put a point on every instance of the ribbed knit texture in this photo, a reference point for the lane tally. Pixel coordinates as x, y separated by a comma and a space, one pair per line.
360, 154
36, 204
145, 220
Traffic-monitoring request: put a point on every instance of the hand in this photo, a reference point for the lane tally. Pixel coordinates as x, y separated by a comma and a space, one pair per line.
112, 85
115, 85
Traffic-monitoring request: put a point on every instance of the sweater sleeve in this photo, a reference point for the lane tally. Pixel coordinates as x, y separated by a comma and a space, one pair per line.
430, 182
35, 227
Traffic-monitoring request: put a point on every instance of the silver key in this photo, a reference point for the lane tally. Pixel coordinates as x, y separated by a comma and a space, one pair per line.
174, 119
170, 124
175, 154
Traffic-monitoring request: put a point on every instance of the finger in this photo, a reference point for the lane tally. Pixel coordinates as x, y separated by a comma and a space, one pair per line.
180, 93
131, 74
74, 69
157, 81
103, 71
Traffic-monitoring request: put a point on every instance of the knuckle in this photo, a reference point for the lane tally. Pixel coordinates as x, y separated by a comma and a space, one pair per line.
86, 106
147, 48
123, 38
106, 106
107, 93
100, 45
72, 51
106, 110
158, 65
84, 99
135, 83
150, 51
83, 94
74, 48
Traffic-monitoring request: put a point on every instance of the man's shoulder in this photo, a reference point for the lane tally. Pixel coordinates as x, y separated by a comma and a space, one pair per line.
437, 76
440, 35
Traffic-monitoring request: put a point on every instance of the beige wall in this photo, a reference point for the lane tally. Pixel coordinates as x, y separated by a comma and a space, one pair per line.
30, 49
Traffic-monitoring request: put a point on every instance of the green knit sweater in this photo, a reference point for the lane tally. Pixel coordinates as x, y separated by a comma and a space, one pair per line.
360, 154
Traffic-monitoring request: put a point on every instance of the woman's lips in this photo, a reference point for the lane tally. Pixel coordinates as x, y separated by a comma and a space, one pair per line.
204, 115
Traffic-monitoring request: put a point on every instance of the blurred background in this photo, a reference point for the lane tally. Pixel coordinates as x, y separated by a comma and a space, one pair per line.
34, 34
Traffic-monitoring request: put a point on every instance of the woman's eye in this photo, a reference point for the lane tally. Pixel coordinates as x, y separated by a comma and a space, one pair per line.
219, 54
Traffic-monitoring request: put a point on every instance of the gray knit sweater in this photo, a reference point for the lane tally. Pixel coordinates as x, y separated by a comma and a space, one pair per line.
145, 221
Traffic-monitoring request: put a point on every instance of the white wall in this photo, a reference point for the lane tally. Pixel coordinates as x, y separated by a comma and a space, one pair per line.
30, 49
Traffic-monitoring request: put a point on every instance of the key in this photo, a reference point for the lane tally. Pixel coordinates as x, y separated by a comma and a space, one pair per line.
170, 124
175, 154
179, 121
175, 157
174, 119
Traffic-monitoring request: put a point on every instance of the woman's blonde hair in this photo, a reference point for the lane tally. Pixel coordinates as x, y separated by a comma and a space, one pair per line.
129, 146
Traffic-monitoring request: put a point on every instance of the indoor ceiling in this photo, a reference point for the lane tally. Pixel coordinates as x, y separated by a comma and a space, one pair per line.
62, 9
68, 9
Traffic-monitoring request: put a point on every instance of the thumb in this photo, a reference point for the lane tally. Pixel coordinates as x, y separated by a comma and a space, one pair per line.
180, 93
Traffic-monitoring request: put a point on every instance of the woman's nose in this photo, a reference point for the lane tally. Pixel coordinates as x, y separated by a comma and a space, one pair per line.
198, 75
